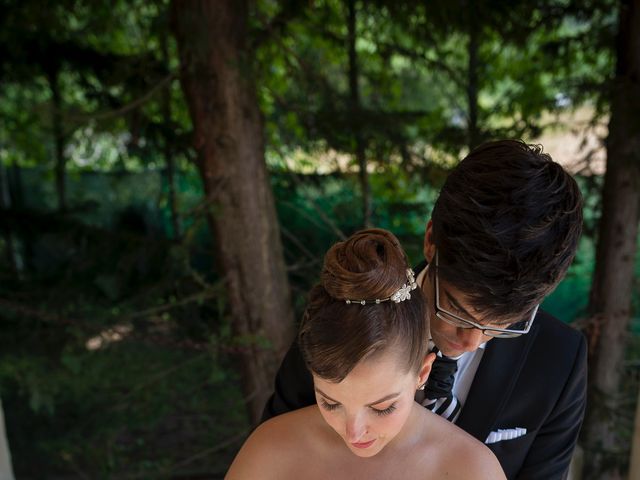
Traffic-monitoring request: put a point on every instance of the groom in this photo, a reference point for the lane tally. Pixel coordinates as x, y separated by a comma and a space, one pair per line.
502, 235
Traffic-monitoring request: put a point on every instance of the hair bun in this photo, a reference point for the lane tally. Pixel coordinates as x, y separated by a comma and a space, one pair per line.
370, 264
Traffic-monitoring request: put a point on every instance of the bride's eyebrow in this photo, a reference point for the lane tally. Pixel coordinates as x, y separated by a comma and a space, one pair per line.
383, 399
325, 395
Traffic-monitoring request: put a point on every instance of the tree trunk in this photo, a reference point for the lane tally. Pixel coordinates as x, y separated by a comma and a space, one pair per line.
473, 136
356, 114
58, 137
634, 461
16, 187
168, 150
5, 203
228, 137
6, 470
24, 241
610, 301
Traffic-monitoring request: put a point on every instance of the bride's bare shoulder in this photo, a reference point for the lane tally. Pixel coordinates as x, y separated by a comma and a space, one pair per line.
479, 462
265, 454
462, 456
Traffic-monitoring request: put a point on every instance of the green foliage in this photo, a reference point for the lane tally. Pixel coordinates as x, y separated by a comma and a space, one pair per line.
131, 408
414, 71
116, 352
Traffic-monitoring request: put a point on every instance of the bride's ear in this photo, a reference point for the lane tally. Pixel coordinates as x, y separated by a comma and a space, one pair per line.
425, 369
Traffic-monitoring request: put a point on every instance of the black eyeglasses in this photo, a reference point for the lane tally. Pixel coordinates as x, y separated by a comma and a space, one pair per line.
514, 330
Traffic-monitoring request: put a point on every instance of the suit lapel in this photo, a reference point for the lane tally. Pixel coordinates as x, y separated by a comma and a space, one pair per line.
493, 383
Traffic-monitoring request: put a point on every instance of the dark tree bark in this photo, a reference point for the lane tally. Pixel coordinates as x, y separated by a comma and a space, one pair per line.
356, 111
228, 138
58, 136
5, 204
610, 301
168, 146
16, 188
23, 241
473, 136
634, 457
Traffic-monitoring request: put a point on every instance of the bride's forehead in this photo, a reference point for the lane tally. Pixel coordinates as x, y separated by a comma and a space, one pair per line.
379, 372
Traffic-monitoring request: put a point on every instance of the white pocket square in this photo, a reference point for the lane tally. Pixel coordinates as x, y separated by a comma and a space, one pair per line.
505, 434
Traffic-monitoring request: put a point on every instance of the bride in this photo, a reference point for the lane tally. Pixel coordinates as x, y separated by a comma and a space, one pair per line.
363, 337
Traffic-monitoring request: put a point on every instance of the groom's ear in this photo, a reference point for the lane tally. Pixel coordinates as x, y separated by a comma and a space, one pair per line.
425, 369
429, 248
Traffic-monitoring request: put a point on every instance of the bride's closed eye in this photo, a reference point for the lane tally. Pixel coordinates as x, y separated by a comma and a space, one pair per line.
330, 407
385, 411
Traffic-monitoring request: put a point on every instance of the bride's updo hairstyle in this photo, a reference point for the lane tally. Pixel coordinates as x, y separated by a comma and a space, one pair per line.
335, 335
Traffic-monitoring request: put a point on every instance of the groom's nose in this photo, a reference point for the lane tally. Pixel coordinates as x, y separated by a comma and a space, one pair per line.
356, 427
470, 338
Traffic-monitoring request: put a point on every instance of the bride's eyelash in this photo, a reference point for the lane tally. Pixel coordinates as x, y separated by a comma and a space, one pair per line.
332, 406
329, 406
386, 411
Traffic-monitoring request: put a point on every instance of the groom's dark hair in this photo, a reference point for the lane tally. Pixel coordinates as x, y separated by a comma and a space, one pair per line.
506, 225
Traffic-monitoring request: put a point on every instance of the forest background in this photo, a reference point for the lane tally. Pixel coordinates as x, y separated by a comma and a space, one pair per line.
171, 174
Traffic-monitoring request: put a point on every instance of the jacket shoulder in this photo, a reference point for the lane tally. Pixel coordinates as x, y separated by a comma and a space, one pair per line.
557, 335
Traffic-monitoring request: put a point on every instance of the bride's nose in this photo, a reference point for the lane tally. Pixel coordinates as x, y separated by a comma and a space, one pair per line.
356, 427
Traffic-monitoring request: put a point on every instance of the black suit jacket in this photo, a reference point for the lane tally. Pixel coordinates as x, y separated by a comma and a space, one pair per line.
536, 381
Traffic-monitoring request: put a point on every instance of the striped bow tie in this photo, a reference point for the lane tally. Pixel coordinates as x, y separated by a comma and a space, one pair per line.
438, 391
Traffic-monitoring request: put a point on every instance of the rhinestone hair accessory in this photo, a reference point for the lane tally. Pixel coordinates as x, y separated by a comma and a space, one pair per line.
402, 294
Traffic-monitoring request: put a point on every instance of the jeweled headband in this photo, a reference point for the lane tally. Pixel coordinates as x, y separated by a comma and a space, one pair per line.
402, 294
